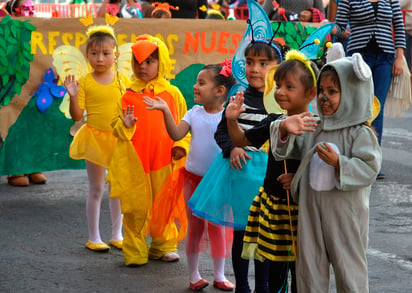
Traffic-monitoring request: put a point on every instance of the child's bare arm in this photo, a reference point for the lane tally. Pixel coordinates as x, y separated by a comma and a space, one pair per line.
233, 110
176, 132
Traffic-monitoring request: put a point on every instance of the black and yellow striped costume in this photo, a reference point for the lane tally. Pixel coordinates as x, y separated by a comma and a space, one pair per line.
270, 226
273, 219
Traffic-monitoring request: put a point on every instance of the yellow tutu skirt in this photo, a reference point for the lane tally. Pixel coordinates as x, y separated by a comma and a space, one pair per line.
93, 145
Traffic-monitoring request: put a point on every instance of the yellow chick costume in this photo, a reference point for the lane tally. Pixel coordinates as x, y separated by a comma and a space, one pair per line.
142, 162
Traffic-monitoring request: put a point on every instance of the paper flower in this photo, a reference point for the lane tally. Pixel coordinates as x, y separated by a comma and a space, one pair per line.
47, 91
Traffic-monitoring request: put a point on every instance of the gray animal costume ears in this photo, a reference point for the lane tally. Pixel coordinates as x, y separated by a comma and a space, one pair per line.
361, 69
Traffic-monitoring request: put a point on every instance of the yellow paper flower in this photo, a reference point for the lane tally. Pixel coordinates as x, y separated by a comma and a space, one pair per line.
86, 21
203, 8
111, 19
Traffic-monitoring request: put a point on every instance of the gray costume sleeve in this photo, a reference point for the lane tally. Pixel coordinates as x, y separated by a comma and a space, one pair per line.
364, 163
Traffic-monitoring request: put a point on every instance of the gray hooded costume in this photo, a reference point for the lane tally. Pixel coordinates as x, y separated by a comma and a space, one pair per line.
334, 215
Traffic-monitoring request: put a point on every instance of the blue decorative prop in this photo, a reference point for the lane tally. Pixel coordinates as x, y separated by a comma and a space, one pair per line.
262, 30
308, 47
234, 90
47, 91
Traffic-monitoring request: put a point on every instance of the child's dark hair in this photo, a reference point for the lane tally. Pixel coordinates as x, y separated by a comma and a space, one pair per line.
98, 38
296, 67
257, 48
221, 79
160, 14
329, 71
12, 5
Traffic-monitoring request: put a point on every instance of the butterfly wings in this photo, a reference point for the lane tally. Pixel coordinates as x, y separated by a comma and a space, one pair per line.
311, 48
260, 27
269, 102
125, 57
69, 60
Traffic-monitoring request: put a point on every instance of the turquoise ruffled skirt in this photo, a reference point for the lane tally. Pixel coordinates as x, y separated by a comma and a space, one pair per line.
224, 195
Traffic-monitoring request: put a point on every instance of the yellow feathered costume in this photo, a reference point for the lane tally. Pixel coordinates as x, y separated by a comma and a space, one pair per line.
142, 164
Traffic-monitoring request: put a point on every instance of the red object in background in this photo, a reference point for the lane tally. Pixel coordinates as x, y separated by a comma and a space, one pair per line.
55, 13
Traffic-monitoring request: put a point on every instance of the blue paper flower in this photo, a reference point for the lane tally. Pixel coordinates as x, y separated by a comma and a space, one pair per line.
47, 91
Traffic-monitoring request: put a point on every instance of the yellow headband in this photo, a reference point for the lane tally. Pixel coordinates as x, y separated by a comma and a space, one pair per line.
102, 29
299, 56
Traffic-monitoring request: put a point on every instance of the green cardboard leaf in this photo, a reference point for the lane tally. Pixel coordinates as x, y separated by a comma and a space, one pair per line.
5, 79
4, 62
12, 41
6, 19
29, 26
13, 30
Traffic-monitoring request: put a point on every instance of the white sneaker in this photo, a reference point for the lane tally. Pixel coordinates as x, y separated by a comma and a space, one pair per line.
170, 257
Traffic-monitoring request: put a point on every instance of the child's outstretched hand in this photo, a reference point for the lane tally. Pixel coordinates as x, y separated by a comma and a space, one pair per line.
286, 180
71, 85
298, 124
328, 155
234, 108
156, 103
128, 117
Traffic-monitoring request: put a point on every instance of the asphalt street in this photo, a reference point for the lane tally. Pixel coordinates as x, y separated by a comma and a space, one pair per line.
43, 231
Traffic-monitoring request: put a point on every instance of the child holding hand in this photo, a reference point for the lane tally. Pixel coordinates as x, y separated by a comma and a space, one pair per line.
226, 192
211, 90
271, 231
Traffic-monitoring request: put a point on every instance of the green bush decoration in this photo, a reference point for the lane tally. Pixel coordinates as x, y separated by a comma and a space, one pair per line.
293, 33
15, 57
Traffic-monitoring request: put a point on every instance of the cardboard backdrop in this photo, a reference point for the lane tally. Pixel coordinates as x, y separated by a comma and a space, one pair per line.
37, 138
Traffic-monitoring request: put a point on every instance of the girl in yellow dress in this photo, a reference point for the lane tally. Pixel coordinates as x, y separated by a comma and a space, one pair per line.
97, 93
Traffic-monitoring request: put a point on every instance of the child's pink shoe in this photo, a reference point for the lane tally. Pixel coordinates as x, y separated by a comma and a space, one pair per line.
224, 285
199, 285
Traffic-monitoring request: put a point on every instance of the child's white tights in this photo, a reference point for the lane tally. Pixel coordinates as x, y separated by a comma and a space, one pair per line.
96, 176
193, 265
116, 213
219, 266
